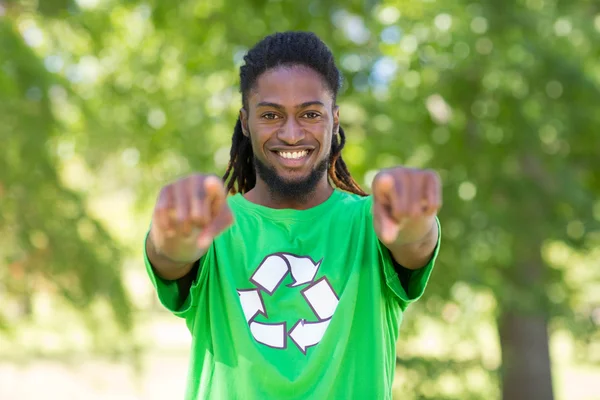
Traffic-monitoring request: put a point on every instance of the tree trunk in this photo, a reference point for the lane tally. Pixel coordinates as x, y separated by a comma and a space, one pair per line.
526, 371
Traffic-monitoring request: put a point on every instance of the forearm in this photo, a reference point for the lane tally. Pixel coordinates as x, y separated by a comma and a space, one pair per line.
415, 243
165, 267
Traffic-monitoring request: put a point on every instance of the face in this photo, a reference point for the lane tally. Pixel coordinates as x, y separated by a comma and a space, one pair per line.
290, 120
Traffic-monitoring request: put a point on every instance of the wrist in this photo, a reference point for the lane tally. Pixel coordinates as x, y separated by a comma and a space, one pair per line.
417, 230
157, 256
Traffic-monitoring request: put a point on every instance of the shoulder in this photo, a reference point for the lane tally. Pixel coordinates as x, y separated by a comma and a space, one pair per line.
350, 206
351, 201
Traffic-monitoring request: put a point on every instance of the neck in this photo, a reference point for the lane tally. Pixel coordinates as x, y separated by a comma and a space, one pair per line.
262, 195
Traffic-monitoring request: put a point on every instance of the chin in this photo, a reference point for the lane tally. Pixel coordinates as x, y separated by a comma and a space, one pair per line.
291, 185
293, 178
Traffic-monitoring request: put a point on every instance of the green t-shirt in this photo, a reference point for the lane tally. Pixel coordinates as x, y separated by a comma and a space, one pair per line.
293, 304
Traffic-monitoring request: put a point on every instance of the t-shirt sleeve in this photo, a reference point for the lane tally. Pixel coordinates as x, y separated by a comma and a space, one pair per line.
406, 285
169, 295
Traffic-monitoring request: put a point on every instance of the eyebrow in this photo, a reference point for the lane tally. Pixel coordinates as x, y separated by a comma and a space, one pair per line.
299, 106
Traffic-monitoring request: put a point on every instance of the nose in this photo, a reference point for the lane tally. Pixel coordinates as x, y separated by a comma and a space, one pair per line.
291, 132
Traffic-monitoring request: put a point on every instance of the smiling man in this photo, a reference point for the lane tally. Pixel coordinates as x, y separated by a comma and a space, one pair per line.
294, 285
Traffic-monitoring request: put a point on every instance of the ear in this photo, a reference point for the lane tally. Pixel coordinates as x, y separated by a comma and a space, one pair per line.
336, 120
244, 121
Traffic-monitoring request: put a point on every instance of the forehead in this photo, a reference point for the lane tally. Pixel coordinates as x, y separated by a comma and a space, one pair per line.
290, 85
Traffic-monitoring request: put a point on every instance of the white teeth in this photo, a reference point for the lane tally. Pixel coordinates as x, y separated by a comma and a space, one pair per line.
293, 155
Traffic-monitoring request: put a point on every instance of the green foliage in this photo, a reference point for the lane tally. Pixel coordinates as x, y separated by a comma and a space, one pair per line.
49, 240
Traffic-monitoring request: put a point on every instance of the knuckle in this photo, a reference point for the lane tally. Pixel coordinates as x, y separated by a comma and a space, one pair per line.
199, 179
162, 199
193, 184
177, 187
164, 191
434, 175
405, 170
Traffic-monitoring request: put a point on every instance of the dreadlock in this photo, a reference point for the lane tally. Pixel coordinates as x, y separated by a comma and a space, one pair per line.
288, 48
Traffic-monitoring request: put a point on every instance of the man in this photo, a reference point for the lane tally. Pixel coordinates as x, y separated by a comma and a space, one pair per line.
294, 286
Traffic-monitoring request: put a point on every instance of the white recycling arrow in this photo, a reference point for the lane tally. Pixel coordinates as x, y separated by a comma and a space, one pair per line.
252, 303
272, 335
319, 295
306, 334
270, 273
303, 269
321, 298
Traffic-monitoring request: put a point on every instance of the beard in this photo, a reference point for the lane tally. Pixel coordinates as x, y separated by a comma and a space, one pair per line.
291, 189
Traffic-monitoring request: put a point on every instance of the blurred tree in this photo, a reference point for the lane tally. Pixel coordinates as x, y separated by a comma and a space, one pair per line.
500, 98
505, 110
49, 241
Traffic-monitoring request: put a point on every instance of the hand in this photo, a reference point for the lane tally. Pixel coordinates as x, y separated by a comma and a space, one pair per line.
405, 199
188, 215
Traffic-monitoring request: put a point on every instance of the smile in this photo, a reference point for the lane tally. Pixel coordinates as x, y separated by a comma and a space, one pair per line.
293, 155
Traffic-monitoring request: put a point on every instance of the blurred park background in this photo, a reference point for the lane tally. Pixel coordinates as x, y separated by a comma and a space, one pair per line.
104, 101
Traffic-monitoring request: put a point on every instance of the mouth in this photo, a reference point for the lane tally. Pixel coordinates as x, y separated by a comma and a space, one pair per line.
293, 158
293, 155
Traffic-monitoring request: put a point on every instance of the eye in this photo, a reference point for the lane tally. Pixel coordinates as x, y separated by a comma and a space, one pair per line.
312, 115
270, 116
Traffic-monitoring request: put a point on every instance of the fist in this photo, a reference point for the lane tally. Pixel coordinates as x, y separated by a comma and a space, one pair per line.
188, 215
402, 198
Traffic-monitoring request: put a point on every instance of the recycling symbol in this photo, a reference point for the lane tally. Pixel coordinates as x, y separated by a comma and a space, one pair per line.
319, 295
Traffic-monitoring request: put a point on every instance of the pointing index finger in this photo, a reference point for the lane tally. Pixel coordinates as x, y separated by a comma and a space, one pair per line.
384, 185
215, 195
214, 189
383, 190
163, 210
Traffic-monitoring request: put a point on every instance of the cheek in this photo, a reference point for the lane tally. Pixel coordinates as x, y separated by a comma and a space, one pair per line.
255, 133
259, 136
257, 143
327, 139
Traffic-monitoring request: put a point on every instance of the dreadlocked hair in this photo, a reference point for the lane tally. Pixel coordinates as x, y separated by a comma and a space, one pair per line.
287, 48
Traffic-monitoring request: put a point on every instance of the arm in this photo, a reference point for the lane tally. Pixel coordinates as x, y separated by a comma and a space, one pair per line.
188, 215
406, 202
413, 249
164, 266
